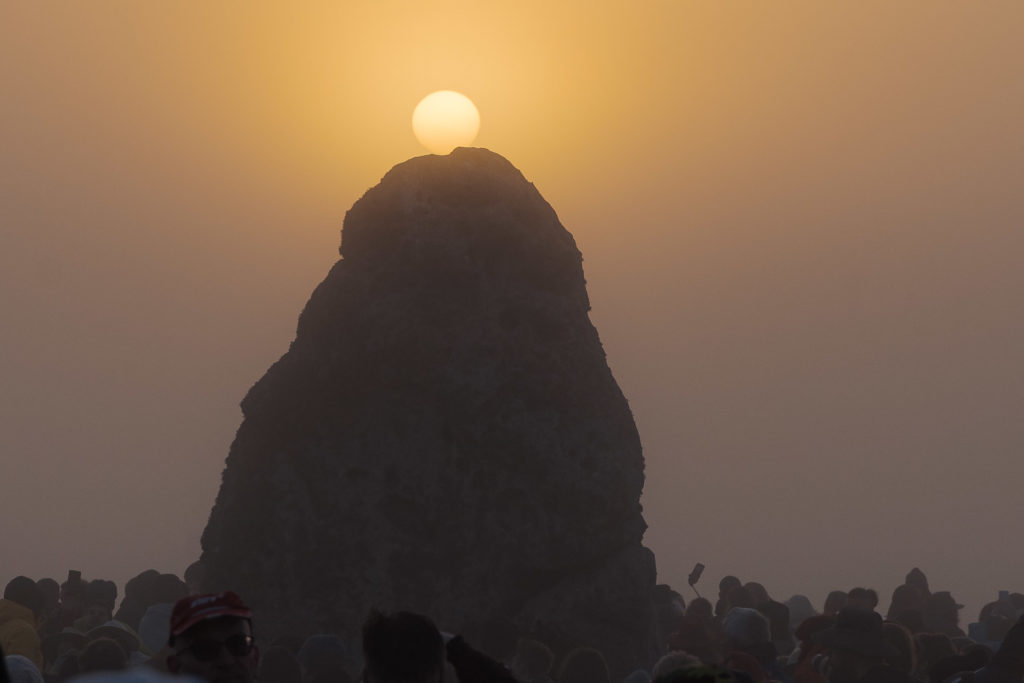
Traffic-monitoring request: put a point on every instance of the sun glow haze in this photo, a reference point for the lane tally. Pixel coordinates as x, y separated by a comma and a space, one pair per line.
444, 120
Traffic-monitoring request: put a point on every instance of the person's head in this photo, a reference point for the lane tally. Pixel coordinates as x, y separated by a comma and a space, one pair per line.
24, 591
745, 627
102, 654
584, 665
835, 601
915, 577
50, 591
727, 584
278, 665
323, 657
900, 637
402, 648
905, 598
211, 638
996, 618
100, 597
672, 662
941, 612
747, 630
141, 584
120, 633
72, 592
757, 592
800, 608
701, 609
21, 669
862, 598
854, 645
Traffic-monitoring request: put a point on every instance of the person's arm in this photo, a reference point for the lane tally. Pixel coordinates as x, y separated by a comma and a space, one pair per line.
472, 666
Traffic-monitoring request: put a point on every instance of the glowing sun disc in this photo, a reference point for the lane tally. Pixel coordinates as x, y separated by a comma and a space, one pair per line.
444, 120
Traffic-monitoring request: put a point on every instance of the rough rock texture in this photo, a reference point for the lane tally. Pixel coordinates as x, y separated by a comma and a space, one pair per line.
444, 434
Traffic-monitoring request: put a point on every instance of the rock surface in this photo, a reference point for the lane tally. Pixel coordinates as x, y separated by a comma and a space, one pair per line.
444, 435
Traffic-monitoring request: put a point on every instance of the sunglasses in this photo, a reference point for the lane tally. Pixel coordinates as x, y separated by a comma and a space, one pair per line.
207, 650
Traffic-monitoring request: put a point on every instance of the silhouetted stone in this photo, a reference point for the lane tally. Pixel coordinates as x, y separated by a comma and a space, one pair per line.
444, 434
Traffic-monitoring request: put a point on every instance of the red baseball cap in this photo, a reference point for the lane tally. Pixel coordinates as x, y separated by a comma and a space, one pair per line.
190, 610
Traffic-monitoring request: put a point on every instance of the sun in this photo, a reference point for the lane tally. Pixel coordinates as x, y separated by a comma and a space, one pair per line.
444, 120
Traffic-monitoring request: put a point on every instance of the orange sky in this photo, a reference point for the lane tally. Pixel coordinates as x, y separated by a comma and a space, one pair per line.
801, 225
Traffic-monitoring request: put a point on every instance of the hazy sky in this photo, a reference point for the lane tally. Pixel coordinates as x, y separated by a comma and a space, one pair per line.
802, 226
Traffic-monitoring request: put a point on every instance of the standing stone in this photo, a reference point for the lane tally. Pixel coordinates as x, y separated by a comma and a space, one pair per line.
444, 435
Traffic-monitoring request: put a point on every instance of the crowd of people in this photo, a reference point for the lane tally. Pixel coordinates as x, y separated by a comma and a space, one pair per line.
164, 626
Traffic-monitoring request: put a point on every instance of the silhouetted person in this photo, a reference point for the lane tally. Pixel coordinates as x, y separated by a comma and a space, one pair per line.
136, 598
724, 586
917, 579
212, 639
778, 618
835, 601
862, 598
757, 592
800, 608
21, 607
50, 614
747, 631
806, 633
907, 607
669, 606
100, 597
701, 609
942, 615
72, 599
857, 649
1007, 664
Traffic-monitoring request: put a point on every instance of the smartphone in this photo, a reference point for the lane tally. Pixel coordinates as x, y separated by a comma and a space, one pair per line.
694, 577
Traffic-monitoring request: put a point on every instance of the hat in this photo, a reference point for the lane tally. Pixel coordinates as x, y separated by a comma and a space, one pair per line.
943, 600
746, 626
190, 610
119, 632
859, 631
